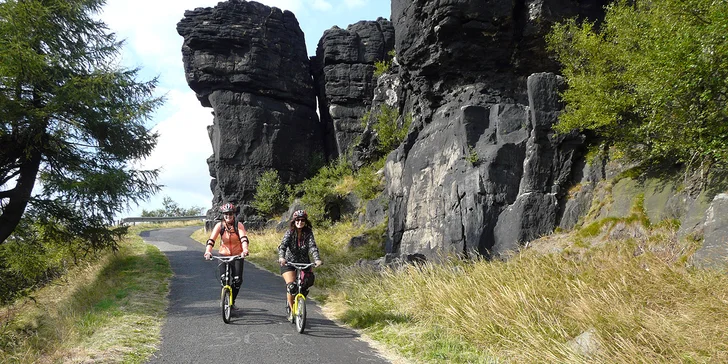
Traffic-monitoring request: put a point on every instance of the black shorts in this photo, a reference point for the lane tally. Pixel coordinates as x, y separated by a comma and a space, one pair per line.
287, 268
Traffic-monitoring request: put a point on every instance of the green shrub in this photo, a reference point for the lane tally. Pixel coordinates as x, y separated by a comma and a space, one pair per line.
34, 255
381, 67
270, 194
651, 80
472, 156
390, 134
318, 193
368, 183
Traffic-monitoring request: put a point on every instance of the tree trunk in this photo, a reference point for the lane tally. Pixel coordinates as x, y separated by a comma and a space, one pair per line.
20, 195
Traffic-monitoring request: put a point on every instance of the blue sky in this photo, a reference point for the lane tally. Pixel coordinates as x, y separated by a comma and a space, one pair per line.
152, 44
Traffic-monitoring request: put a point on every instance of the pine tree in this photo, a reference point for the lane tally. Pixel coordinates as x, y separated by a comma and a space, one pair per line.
72, 122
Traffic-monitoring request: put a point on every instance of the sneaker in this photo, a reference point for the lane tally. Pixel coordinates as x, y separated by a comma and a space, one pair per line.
289, 314
234, 308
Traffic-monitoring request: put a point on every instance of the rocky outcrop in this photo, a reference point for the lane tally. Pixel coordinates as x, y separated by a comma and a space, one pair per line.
480, 170
248, 62
548, 168
695, 203
714, 252
343, 71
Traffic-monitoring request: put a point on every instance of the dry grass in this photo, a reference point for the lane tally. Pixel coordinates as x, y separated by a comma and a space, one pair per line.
629, 286
637, 295
106, 311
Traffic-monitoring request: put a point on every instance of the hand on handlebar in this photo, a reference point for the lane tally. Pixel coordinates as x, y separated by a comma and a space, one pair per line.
319, 263
208, 255
282, 261
245, 253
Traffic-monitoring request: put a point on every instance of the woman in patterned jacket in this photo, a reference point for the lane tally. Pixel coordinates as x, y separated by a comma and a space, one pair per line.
298, 242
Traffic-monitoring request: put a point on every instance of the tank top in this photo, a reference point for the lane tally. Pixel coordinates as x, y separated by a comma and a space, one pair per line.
231, 244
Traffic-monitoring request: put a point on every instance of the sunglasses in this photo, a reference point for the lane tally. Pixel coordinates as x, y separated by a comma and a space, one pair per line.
229, 214
300, 219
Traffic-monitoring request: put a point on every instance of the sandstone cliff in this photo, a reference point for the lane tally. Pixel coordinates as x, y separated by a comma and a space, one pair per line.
481, 170
248, 62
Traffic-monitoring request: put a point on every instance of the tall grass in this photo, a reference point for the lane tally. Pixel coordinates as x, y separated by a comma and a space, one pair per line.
108, 310
629, 286
642, 301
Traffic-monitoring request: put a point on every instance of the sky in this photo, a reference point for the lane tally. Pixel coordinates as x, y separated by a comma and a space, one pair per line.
153, 45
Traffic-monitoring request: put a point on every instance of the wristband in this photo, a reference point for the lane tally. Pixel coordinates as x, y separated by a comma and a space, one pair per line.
244, 238
210, 242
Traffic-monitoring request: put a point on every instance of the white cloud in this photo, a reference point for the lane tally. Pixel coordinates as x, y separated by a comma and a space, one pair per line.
181, 153
322, 5
183, 145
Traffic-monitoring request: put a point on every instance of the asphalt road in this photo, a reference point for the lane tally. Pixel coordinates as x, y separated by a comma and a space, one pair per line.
259, 333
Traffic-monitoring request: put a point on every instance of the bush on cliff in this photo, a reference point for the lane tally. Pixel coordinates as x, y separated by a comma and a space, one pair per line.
270, 194
318, 194
652, 79
389, 132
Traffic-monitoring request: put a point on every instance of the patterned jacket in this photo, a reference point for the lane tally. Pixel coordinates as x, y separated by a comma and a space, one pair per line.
296, 250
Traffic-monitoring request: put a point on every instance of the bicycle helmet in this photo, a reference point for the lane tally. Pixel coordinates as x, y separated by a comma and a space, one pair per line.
300, 214
227, 208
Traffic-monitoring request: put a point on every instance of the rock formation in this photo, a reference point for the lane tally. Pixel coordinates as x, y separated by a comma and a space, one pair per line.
343, 70
480, 170
248, 62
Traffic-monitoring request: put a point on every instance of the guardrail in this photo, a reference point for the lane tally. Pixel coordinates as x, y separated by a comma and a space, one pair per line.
134, 220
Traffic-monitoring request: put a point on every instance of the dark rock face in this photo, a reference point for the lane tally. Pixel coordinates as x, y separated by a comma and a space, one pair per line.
457, 38
480, 170
248, 62
343, 71
547, 169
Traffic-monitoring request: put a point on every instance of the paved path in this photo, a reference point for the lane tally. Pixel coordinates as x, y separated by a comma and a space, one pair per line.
195, 333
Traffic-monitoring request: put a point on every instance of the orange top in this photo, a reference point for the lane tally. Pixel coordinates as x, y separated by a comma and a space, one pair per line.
231, 241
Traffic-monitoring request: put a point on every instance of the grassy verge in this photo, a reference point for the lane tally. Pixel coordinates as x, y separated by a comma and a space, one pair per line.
637, 296
630, 286
109, 310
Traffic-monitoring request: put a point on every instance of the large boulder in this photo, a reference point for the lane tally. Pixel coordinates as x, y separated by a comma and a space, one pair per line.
248, 62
